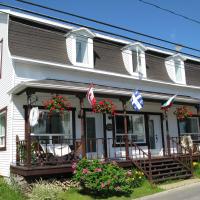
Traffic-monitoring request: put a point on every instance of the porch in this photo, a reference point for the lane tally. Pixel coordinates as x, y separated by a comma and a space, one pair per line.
129, 137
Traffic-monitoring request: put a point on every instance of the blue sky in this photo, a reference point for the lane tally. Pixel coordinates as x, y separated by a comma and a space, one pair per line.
134, 15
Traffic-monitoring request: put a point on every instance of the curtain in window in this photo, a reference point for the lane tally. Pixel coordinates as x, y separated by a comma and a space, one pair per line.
178, 73
81, 51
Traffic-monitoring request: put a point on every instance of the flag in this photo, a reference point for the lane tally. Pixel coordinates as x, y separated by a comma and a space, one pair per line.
90, 95
137, 101
168, 103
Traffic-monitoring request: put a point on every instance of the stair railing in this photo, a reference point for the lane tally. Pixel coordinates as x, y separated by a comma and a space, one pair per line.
180, 153
141, 159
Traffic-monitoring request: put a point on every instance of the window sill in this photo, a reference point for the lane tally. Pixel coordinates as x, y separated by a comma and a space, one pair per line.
83, 65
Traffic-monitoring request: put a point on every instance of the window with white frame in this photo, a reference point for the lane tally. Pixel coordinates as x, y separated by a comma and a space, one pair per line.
3, 122
175, 68
134, 59
54, 128
80, 47
135, 127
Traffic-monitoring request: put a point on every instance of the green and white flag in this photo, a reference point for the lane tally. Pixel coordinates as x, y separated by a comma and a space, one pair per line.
168, 103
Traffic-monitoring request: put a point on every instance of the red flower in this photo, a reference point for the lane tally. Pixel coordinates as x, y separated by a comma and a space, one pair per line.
98, 170
85, 171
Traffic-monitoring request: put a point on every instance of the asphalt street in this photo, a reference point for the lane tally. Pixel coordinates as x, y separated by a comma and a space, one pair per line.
189, 192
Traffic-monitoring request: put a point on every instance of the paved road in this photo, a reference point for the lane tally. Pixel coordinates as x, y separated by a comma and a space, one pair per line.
190, 192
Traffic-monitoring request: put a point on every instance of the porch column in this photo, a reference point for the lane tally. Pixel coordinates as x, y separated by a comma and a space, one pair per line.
28, 129
168, 136
125, 128
83, 141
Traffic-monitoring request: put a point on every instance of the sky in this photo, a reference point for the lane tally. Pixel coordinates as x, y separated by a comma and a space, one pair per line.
134, 15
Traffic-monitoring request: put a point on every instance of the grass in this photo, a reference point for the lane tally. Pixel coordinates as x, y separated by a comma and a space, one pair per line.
197, 170
144, 190
9, 193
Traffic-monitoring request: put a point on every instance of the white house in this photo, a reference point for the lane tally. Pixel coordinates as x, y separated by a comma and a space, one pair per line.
41, 58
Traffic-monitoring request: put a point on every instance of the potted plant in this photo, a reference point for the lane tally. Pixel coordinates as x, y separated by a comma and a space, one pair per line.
105, 106
57, 103
182, 113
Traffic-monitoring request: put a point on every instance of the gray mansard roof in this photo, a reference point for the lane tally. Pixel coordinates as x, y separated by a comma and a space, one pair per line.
47, 43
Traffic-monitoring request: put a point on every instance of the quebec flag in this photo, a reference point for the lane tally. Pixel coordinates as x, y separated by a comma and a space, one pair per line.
137, 101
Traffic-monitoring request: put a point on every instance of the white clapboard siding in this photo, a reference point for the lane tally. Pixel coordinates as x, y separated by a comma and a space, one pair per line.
6, 83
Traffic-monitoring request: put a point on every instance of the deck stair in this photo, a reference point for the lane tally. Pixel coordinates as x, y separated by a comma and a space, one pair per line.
163, 168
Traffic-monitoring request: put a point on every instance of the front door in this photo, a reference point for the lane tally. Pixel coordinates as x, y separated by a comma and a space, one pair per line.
155, 134
94, 135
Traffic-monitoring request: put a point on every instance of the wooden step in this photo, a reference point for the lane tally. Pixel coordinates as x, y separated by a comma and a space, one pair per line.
170, 173
161, 166
185, 176
167, 169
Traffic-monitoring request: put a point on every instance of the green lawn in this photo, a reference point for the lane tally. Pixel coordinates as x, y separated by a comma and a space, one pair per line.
146, 189
7, 193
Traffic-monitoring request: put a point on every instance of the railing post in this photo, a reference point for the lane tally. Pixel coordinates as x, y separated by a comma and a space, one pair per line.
191, 161
17, 150
150, 165
168, 145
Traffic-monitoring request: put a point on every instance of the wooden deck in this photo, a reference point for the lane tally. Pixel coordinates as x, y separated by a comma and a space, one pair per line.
64, 169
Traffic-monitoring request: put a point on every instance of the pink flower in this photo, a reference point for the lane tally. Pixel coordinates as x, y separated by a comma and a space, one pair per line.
102, 185
129, 173
74, 165
98, 170
85, 171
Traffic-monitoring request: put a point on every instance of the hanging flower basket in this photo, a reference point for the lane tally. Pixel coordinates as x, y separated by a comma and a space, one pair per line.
182, 113
57, 103
105, 106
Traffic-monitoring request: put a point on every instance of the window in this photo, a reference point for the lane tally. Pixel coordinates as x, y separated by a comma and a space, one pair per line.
135, 126
137, 61
134, 59
3, 115
54, 128
189, 126
178, 73
81, 50
1, 56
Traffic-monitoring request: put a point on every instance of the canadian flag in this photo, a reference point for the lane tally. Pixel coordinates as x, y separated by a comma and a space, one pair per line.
90, 95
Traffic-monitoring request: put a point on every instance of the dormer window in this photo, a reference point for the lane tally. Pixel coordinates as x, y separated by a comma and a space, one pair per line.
80, 47
134, 59
175, 68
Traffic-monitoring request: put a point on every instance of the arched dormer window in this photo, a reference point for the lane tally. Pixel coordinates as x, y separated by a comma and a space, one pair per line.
134, 59
175, 68
80, 47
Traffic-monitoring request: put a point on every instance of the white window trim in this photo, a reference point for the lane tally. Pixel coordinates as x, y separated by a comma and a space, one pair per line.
71, 39
171, 68
127, 54
4, 112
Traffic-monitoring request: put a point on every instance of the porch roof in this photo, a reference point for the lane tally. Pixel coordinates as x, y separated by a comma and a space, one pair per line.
70, 87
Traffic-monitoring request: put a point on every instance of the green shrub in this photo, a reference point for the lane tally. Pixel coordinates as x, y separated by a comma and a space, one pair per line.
106, 178
45, 191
